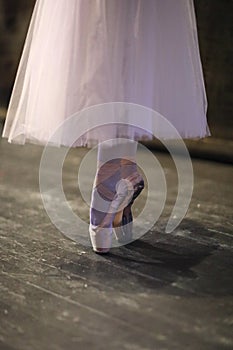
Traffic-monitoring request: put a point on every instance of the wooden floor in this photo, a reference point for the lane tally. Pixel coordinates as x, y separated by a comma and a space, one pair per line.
163, 291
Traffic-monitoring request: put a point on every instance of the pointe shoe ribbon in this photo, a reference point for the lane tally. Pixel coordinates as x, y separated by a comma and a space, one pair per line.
123, 221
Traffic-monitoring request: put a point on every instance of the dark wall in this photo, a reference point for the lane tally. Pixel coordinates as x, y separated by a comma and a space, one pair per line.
14, 20
215, 31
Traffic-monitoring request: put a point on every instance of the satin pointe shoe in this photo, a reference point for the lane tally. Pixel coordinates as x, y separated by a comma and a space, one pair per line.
123, 221
101, 234
111, 194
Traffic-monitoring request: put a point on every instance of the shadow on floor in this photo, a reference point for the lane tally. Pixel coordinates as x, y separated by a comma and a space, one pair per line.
181, 263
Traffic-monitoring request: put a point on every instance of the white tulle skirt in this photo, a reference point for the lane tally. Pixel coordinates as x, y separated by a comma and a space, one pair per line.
82, 53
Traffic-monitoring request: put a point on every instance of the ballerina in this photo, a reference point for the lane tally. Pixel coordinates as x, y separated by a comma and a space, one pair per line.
80, 53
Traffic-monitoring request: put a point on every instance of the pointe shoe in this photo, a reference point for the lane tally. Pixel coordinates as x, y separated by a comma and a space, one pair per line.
101, 234
123, 221
101, 239
117, 185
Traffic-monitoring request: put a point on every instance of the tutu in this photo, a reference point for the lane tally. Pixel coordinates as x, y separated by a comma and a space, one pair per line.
81, 53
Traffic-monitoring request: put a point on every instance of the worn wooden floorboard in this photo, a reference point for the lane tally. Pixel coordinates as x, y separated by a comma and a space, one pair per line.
163, 291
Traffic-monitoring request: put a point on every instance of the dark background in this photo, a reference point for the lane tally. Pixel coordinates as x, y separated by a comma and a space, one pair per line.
215, 31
